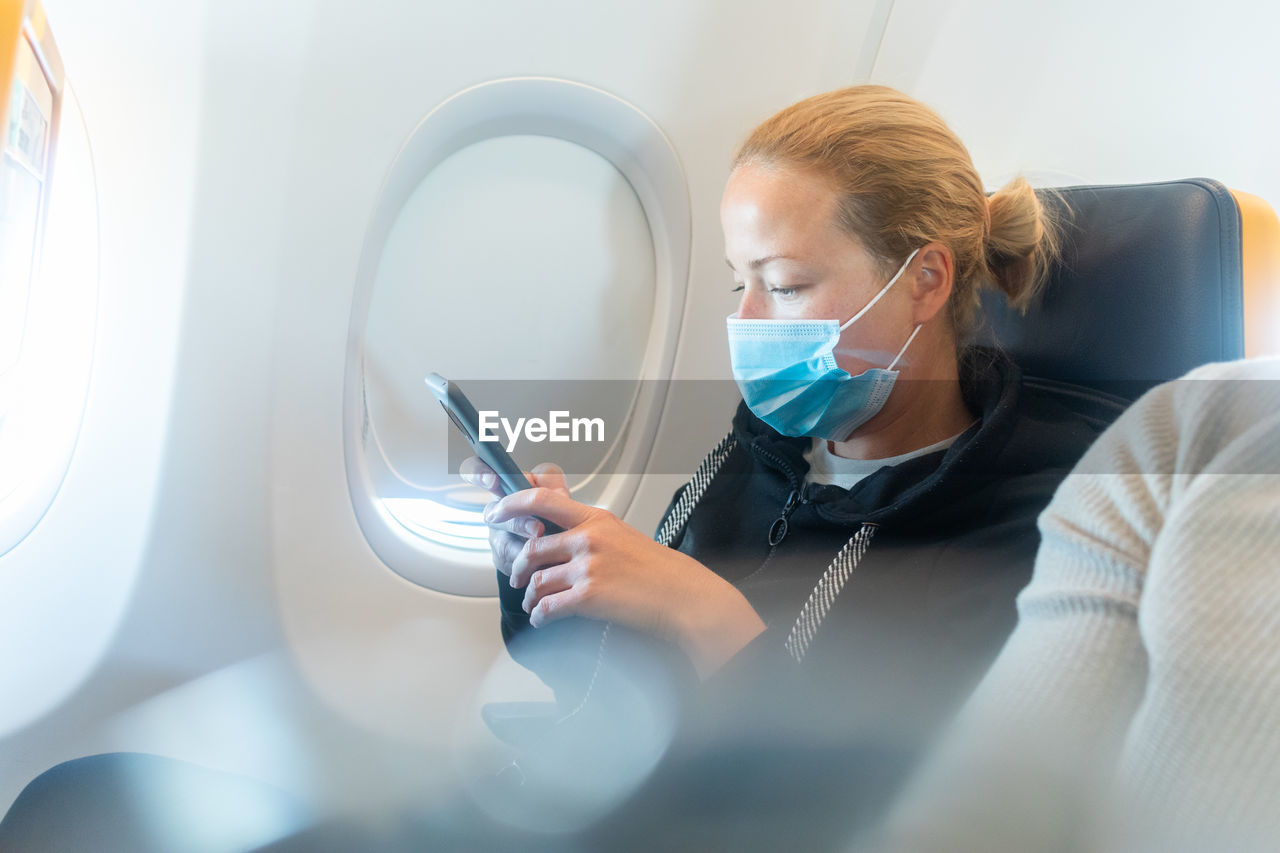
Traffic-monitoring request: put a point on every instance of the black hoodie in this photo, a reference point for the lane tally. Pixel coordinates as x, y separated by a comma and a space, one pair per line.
952, 540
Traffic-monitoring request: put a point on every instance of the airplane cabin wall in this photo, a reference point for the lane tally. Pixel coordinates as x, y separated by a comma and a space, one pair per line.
240, 149
65, 589
1096, 91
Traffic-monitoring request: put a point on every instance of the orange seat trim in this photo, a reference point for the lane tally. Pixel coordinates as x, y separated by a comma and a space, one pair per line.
1260, 266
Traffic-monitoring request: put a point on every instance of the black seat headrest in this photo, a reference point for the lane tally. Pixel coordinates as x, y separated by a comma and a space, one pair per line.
1149, 287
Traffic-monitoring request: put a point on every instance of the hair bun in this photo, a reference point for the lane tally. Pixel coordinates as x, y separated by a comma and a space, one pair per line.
1021, 241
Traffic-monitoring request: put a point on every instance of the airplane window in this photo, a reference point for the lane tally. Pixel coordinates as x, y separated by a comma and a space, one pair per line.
48, 280
22, 175
518, 258
22, 181
531, 243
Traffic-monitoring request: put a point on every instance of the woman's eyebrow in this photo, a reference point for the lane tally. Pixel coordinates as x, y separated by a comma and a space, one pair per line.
759, 262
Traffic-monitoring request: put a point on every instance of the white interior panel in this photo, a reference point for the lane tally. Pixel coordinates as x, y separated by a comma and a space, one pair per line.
1095, 91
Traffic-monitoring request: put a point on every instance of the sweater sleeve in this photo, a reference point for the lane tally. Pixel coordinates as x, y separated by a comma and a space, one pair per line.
1114, 667
1011, 772
1200, 765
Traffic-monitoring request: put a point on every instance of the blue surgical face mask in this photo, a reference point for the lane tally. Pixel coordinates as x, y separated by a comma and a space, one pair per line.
788, 375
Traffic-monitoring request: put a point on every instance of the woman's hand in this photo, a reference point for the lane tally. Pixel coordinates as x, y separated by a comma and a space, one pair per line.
506, 539
603, 568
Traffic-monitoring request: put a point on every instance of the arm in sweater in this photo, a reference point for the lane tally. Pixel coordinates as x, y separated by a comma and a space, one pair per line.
1146, 645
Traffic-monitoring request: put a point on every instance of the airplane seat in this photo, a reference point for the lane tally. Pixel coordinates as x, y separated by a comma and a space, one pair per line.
129, 802
1155, 279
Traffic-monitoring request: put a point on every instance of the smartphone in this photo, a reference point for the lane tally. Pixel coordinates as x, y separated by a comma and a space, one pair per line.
464, 417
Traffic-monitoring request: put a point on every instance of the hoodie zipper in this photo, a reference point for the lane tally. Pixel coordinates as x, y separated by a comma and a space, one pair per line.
781, 525
833, 579
831, 583
778, 530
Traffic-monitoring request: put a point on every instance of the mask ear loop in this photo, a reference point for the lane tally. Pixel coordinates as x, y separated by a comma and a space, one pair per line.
883, 291
904, 347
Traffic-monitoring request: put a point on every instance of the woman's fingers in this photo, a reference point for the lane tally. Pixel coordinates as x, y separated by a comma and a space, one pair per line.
524, 526
546, 582
548, 475
477, 472
556, 605
505, 548
539, 553
508, 532
474, 471
548, 504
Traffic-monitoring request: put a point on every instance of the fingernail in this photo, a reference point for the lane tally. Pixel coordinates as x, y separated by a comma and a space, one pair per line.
532, 528
486, 479
490, 512
525, 606
511, 579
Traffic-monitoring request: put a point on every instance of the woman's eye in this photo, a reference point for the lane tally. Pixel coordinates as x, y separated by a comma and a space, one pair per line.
784, 292
738, 289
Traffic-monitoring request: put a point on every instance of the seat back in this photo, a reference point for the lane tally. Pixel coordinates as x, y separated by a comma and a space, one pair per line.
1152, 283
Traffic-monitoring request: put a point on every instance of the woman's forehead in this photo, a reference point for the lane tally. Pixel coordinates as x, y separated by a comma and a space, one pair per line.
778, 213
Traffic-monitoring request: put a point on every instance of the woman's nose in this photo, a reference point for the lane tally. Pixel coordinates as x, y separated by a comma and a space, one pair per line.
751, 305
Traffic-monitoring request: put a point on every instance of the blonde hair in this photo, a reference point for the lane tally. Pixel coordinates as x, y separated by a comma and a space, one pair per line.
904, 180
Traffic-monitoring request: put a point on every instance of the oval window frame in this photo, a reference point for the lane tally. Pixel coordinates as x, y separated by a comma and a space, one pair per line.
633, 143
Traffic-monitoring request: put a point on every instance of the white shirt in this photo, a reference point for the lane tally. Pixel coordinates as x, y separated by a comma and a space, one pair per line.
825, 468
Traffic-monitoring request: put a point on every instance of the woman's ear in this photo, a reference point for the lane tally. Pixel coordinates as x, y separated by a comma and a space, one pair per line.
932, 281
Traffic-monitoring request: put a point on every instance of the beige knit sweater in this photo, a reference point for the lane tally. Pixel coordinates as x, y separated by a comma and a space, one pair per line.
1137, 704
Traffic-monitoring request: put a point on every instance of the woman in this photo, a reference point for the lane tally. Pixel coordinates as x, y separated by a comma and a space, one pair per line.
842, 568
